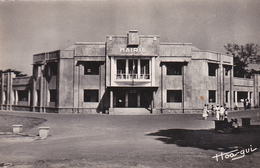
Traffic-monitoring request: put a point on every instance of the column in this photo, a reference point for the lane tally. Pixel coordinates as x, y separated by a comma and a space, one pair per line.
8, 91
29, 98
153, 71
231, 102
126, 69
16, 97
75, 85
34, 94
183, 87
126, 99
111, 99
138, 98
41, 89
80, 89
153, 103
255, 91
236, 98
138, 68
2, 91
12, 75
163, 91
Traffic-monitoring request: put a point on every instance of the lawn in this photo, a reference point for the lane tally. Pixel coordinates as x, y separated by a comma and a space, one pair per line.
6, 122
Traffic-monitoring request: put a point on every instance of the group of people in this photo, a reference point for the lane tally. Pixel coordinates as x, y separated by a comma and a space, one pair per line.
219, 111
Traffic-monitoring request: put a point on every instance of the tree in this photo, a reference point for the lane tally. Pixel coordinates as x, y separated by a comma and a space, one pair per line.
17, 73
243, 55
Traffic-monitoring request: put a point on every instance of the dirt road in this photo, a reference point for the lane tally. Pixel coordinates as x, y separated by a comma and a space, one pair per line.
180, 140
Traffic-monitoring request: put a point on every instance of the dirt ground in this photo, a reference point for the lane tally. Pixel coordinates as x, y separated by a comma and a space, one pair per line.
179, 140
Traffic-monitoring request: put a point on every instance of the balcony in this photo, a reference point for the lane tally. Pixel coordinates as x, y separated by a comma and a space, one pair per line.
132, 75
122, 78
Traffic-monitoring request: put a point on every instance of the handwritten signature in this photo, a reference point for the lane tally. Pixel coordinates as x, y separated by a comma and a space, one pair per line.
234, 154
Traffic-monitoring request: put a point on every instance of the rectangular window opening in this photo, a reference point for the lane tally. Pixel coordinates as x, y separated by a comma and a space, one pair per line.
174, 68
90, 95
227, 95
22, 95
91, 68
212, 96
242, 96
145, 74
174, 96
212, 69
53, 95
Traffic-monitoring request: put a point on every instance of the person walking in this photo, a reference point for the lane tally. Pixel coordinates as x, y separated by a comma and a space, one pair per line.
221, 112
205, 112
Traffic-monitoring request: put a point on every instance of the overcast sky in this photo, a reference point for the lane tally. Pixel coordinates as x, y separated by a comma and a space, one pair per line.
28, 28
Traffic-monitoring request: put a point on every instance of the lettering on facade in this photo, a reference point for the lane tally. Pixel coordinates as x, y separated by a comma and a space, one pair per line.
132, 50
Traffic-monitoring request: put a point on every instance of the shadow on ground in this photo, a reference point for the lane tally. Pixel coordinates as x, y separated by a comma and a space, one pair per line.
209, 139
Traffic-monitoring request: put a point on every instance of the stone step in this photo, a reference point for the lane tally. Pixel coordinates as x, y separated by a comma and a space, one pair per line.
130, 111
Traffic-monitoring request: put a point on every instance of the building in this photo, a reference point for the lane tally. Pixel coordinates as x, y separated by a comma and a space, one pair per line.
128, 73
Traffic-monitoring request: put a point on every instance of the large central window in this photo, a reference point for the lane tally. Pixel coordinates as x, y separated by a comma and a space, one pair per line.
133, 69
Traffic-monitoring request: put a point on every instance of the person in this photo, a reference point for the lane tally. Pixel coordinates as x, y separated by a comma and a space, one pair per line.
244, 104
235, 127
221, 112
217, 112
226, 123
212, 110
208, 109
204, 113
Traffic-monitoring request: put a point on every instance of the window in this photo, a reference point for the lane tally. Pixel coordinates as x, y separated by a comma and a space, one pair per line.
227, 94
53, 95
22, 95
145, 69
212, 69
241, 96
91, 68
212, 96
133, 69
174, 68
90, 95
227, 69
121, 66
132, 66
53, 68
174, 96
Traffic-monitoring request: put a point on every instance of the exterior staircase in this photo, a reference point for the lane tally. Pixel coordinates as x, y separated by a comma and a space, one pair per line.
130, 111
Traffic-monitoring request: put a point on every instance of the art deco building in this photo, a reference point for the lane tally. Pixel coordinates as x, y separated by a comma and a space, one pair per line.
128, 74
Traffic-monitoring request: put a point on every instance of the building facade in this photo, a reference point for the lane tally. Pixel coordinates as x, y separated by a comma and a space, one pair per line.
128, 73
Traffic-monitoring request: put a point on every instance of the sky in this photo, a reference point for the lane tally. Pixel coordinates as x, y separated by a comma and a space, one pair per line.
31, 27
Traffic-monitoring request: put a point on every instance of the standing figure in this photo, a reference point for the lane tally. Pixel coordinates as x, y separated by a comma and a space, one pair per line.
244, 104
212, 110
217, 112
221, 112
204, 113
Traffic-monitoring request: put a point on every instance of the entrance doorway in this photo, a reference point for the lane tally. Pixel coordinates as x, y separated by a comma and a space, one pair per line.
120, 99
133, 97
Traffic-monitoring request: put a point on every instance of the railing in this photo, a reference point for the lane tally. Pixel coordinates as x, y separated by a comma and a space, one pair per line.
133, 76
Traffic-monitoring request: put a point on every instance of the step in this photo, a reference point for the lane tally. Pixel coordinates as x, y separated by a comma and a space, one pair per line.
131, 111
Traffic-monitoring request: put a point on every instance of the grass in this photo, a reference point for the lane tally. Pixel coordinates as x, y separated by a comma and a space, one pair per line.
7, 121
